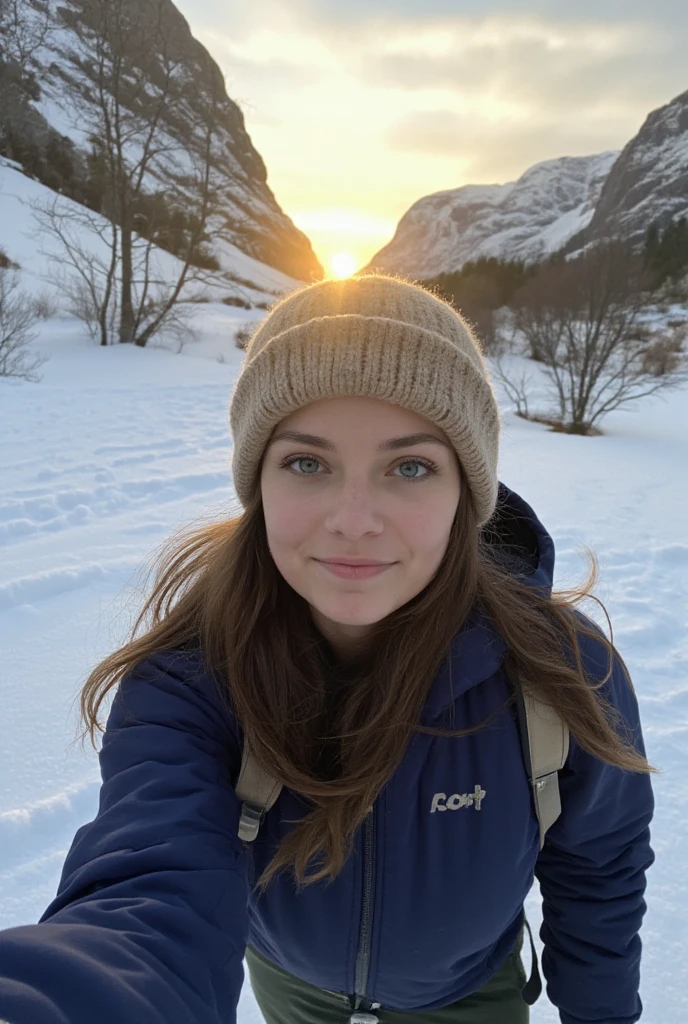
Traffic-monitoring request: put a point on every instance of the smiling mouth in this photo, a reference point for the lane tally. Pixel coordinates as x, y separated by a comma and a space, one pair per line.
352, 561
355, 572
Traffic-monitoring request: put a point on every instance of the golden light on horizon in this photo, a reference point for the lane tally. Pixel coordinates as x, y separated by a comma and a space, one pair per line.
342, 265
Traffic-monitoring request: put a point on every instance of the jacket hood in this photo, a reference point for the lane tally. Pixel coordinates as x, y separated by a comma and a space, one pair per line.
521, 543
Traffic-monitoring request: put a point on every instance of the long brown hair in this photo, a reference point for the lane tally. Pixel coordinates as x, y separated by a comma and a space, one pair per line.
217, 586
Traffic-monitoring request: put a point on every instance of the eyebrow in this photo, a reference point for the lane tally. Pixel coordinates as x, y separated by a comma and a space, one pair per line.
385, 446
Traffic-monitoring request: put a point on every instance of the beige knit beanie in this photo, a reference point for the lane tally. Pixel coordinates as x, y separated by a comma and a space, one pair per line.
377, 337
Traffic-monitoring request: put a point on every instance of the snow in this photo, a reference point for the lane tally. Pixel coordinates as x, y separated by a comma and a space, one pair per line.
116, 448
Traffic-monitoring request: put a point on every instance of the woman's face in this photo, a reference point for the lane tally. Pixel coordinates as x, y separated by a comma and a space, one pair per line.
352, 489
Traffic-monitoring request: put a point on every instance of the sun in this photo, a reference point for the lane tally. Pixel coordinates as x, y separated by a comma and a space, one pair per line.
342, 264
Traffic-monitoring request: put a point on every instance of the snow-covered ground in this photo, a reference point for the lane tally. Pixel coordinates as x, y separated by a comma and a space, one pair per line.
117, 447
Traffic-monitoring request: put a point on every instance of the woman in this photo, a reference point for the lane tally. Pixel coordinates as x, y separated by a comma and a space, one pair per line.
366, 627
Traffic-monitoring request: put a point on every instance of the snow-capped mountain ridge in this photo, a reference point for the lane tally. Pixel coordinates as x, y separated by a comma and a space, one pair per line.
523, 219
563, 203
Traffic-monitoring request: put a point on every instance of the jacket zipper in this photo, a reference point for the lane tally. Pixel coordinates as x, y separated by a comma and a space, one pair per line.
366, 932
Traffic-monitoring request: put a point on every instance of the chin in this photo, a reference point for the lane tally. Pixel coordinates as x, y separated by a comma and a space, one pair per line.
346, 616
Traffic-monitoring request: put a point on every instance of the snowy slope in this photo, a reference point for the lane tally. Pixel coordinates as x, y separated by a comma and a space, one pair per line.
39, 256
524, 219
117, 447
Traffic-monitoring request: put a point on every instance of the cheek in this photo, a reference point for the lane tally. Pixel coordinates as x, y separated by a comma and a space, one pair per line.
287, 523
427, 529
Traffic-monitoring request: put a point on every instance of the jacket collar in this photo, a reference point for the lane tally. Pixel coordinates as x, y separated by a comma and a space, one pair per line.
526, 549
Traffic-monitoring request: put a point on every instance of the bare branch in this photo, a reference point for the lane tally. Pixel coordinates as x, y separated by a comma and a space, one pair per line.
88, 280
126, 55
517, 389
24, 29
581, 320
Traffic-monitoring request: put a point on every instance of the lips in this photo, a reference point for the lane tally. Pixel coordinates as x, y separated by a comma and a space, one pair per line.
355, 571
352, 561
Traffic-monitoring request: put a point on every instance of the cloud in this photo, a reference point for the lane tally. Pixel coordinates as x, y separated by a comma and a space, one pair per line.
506, 94
478, 149
276, 74
528, 51
501, 64
533, 63
342, 13
431, 132
268, 70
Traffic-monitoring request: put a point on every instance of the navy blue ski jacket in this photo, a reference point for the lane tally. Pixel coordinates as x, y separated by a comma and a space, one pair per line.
155, 905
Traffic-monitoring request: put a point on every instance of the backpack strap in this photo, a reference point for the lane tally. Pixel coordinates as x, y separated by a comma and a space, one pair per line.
545, 744
257, 790
545, 741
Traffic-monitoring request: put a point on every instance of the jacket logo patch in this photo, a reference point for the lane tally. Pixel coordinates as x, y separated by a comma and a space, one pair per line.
440, 801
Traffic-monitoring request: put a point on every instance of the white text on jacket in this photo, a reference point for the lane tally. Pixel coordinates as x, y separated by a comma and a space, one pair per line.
440, 802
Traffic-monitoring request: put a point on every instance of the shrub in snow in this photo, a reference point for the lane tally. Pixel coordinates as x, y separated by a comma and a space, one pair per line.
19, 315
667, 353
582, 321
7, 264
244, 334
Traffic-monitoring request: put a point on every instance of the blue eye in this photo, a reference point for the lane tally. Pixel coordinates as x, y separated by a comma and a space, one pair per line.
416, 462
300, 458
431, 468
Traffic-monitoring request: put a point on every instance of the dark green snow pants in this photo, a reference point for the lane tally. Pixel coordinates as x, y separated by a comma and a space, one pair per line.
284, 999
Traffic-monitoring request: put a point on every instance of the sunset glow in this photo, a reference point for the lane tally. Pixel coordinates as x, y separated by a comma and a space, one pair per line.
342, 265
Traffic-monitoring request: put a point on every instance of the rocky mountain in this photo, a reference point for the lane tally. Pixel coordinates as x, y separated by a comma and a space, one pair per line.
563, 203
523, 219
51, 99
649, 181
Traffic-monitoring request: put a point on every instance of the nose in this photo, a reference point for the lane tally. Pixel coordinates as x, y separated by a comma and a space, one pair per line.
354, 512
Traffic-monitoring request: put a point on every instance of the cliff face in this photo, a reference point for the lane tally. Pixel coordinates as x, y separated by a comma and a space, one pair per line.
649, 182
54, 102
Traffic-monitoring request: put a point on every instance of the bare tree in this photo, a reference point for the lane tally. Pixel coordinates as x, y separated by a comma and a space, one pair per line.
583, 320
19, 316
137, 82
25, 26
477, 296
518, 385
85, 259
83, 247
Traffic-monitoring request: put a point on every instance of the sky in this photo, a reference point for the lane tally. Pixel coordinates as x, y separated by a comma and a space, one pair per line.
361, 107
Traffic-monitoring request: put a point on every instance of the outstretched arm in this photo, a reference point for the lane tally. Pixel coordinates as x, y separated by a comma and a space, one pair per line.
149, 924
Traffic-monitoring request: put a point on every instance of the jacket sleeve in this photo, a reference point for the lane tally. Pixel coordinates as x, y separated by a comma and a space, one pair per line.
592, 875
149, 924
